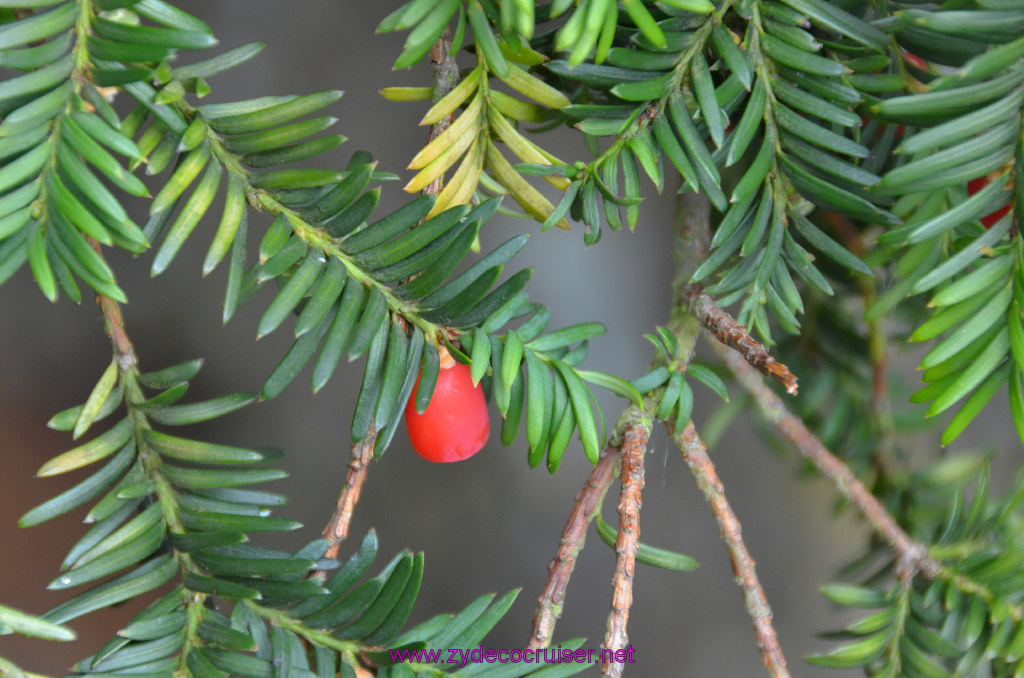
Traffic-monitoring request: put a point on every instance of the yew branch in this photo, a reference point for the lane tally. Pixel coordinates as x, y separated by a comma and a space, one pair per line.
912, 554
358, 467
634, 445
113, 322
574, 534
696, 457
724, 327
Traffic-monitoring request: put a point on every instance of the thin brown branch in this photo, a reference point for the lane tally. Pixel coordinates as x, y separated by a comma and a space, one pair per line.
574, 534
358, 467
113, 322
696, 457
634, 446
724, 327
911, 553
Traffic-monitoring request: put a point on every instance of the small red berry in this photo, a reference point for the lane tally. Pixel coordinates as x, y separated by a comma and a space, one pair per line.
455, 425
975, 185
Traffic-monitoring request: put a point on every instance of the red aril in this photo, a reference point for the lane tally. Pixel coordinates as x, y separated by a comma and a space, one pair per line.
975, 185
455, 425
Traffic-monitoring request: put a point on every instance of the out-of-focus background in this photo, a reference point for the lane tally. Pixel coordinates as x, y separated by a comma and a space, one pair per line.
487, 525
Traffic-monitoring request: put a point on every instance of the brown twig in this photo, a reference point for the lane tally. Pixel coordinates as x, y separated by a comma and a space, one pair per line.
359, 465
114, 324
912, 554
634, 446
724, 327
574, 534
695, 455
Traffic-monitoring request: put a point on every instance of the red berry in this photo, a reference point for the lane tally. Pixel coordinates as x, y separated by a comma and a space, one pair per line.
975, 185
455, 425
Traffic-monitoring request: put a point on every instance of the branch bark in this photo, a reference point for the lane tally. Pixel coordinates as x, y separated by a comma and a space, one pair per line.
695, 454
912, 554
634, 446
588, 504
113, 323
724, 327
359, 465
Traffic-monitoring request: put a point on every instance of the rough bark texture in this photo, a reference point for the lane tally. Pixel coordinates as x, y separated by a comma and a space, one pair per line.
588, 504
695, 454
720, 323
634, 446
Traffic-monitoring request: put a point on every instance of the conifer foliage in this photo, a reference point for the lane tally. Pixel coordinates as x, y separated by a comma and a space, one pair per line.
849, 179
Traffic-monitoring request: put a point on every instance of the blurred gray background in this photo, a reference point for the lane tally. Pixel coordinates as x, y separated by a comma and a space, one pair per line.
487, 525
